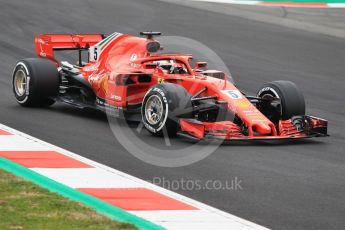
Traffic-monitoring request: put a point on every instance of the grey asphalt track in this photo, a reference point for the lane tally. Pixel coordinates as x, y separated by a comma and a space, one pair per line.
285, 186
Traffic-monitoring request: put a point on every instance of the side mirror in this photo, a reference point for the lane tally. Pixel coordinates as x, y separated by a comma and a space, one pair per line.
200, 65
150, 66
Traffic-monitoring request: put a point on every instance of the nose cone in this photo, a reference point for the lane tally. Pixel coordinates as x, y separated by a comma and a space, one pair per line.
262, 128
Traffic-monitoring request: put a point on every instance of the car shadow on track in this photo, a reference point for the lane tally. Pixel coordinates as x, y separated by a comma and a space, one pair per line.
102, 117
85, 113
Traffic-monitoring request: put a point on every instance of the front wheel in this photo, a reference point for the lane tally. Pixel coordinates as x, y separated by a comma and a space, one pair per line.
162, 107
291, 98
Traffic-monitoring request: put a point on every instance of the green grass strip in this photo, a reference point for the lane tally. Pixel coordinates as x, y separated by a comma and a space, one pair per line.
73, 194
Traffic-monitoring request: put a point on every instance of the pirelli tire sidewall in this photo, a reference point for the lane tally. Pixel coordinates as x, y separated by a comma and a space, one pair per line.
174, 98
162, 95
43, 82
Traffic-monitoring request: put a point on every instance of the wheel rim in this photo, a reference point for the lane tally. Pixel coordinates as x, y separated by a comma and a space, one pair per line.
267, 96
153, 109
20, 82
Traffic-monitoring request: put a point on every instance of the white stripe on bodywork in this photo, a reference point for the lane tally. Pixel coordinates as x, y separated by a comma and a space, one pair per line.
100, 48
105, 39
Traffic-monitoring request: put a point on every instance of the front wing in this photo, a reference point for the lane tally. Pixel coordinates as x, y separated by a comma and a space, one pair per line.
298, 127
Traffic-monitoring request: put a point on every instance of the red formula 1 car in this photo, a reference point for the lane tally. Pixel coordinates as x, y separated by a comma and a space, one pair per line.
129, 77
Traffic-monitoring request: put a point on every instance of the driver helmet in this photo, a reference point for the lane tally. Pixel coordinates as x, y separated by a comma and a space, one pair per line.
166, 65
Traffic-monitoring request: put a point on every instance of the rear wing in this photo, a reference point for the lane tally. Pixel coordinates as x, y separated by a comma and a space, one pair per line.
46, 44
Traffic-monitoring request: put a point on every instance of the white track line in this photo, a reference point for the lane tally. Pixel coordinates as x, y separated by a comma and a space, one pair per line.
18, 143
276, 4
105, 177
87, 178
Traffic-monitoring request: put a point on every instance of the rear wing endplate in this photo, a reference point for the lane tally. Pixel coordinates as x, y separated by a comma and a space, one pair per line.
46, 44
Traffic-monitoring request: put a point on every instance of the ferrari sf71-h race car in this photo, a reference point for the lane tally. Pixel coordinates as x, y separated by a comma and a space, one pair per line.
130, 77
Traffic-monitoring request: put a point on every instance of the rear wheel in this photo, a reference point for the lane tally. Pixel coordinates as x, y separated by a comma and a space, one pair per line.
35, 82
162, 107
292, 100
